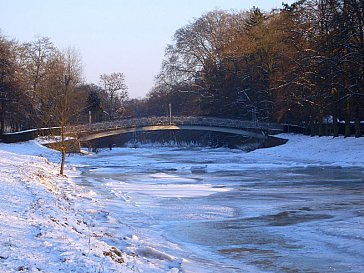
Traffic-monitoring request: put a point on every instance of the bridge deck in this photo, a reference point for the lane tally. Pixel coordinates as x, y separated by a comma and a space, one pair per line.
238, 127
196, 121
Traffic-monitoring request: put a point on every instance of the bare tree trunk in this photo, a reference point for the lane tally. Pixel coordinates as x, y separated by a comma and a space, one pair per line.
62, 148
335, 124
63, 151
63, 123
335, 128
2, 117
347, 120
357, 121
312, 126
320, 125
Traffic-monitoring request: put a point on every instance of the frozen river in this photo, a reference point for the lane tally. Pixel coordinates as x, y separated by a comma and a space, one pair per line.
223, 210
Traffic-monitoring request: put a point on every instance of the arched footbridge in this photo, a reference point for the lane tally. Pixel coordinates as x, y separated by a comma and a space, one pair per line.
104, 129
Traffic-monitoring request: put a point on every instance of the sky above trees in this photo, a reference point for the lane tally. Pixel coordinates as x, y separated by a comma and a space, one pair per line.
112, 36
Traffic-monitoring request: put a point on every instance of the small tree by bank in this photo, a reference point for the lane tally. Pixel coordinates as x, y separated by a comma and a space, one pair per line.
61, 109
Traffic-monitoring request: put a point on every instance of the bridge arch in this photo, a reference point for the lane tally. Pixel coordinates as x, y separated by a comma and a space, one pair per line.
102, 134
90, 132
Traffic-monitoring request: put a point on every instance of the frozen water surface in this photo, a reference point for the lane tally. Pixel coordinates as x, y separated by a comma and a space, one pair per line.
243, 214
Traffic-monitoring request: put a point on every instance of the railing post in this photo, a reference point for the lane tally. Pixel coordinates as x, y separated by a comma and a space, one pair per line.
170, 114
89, 120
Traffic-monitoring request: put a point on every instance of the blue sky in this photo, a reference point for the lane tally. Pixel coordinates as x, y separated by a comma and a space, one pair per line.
126, 36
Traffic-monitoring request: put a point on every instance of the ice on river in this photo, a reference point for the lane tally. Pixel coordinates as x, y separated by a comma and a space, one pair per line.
169, 190
295, 208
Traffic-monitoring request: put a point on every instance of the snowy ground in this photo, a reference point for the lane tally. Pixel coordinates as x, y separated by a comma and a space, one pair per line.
47, 223
42, 226
326, 150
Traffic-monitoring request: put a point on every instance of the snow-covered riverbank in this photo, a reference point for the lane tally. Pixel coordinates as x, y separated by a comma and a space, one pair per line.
49, 224
317, 150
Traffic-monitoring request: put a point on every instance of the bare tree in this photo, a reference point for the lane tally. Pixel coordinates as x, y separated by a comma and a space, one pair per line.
114, 85
14, 106
72, 76
61, 84
7, 71
37, 62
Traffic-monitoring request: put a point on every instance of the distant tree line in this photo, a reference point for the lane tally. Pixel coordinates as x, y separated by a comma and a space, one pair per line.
302, 64
42, 86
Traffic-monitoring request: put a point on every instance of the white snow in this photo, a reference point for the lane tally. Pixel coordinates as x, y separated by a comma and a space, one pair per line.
47, 222
43, 228
316, 150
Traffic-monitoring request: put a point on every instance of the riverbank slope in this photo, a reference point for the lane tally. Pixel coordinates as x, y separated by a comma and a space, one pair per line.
47, 223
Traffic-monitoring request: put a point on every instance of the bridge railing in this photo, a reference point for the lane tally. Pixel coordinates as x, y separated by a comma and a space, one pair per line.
150, 121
